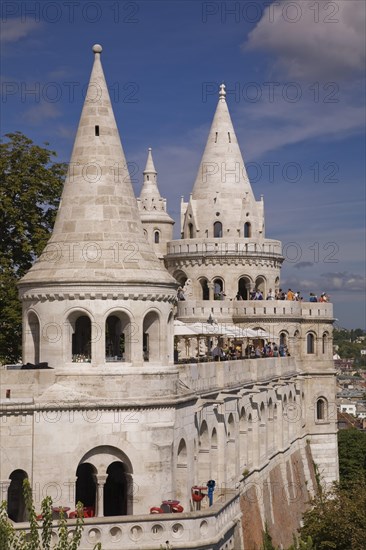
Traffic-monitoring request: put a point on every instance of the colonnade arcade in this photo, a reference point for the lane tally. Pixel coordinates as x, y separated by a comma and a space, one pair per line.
229, 445
214, 288
116, 339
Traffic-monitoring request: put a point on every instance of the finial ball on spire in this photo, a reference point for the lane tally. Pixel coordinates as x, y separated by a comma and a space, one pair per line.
97, 48
222, 93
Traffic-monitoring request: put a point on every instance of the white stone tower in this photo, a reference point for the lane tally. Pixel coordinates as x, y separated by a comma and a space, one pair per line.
158, 225
98, 293
223, 224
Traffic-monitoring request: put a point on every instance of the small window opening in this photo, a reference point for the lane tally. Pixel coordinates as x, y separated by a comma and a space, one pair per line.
97, 131
156, 237
216, 134
147, 177
229, 137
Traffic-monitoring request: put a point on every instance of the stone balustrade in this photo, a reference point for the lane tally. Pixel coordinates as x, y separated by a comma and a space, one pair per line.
212, 527
237, 310
224, 247
203, 377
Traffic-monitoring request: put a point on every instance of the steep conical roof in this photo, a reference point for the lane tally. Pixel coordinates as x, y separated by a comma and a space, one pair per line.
222, 167
222, 193
98, 235
150, 185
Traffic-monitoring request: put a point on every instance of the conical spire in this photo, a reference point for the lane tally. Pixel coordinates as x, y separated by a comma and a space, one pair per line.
98, 235
150, 186
222, 167
151, 204
222, 192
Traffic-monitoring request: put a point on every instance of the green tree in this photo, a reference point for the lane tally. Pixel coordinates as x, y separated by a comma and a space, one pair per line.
352, 455
31, 184
336, 520
39, 537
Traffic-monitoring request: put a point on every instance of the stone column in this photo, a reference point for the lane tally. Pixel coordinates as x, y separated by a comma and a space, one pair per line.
100, 481
210, 291
4, 486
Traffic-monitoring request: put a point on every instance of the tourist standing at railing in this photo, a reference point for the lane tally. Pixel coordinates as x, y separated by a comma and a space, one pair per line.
270, 295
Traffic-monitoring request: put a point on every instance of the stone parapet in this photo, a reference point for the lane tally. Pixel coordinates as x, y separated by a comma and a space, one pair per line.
261, 248
237, 311
211, 529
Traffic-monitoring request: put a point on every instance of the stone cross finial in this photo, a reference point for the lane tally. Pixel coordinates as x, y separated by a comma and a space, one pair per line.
222, 93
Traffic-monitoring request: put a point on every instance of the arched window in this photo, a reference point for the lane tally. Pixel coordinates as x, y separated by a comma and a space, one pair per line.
321, 409
310, 343
205, 289
283, 339
86, 487
156, 237
217, 228
16, 503
190, 230
247, 230
81, 338
325, 342
151, 337
181, 472
118, 337
218, 289
244, 288
33, 343
116, 490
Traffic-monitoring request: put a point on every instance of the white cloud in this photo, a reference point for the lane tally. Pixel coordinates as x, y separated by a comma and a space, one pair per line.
344, 281
14, 29
329, 44
275, 125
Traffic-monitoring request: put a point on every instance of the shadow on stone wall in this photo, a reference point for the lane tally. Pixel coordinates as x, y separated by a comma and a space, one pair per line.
278, 499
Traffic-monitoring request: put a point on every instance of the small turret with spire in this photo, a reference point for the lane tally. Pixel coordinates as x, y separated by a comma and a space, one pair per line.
158, 225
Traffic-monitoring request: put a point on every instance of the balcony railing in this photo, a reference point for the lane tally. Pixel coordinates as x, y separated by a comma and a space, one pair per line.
213, 526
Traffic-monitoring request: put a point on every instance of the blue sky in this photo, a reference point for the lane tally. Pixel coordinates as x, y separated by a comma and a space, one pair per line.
295, 76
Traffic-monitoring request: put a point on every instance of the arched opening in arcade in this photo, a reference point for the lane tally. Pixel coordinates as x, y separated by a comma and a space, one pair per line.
203, 454
118, 337
180, 277
116, 490
244, 288
151, 337
214, 456
260, 284
16, 504
81, 337
86, 486
205, 293
231, 448
33, 339
218, 288
181, 474
104, 482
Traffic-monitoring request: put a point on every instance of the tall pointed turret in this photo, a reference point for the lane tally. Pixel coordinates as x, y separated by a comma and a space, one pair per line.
98, 284
158, 225
222, 191
98, 235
